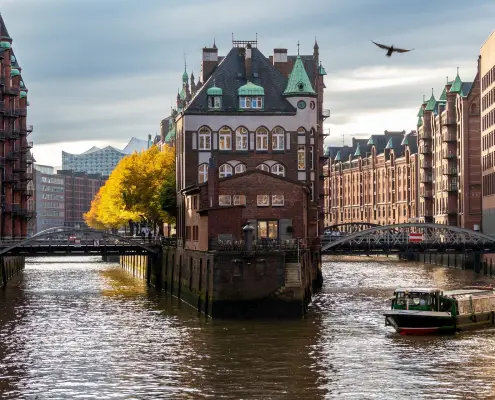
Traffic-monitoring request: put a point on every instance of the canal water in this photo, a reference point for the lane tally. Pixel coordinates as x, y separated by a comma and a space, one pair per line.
81, 329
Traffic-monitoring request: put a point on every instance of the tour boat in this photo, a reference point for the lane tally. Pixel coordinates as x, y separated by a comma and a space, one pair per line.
425, 311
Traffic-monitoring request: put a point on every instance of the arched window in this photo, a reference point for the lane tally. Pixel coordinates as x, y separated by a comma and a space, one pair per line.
263, 167
240, 168
261, 139
225, 170
224, 139
474, 109
241, 138
203, 173
204, 139
278, 136
301, 131
278, 169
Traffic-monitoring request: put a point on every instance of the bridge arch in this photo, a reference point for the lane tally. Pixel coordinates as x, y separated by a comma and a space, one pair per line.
350, 226
57, 231
433, 234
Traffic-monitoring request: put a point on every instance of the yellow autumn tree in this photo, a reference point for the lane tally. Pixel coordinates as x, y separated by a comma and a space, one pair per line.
132, 192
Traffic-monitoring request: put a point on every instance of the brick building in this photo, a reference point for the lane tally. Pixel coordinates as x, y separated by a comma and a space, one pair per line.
253, 112
486, 68
450, 151
15, 157
80, 189
49, 198
374, 180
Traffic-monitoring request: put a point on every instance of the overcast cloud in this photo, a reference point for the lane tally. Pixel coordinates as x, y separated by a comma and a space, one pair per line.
102, 71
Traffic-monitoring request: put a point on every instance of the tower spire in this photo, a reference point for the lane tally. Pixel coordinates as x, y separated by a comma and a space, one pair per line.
298, 48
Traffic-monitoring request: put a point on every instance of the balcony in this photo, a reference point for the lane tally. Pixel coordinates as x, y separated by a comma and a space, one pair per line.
451, 187
11, 90
424, 135
325, 113
448, 211
20, 186
27, 176
427, 193
26, 146
449, 170
12, 207
20, 112
449, 138
449, 155
424, 150
29, 128
28, 193
9, 178
20, 167
425, 164
12, 156
426, 179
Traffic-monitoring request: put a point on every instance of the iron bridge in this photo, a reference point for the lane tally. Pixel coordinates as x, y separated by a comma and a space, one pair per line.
63, 241
408, 238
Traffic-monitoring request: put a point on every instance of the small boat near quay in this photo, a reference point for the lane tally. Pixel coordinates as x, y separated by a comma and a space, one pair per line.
419, 311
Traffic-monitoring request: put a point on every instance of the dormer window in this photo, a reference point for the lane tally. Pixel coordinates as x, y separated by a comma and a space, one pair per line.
251, 96
214, 94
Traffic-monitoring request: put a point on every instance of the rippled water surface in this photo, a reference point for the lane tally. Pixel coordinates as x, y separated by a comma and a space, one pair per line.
81, 329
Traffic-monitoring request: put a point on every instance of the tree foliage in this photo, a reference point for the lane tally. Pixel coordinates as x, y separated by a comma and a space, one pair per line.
168, 195
133, 191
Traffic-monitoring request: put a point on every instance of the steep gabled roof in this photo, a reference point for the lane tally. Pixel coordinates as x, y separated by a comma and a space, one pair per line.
299, 83
4, 34
230, 75
457, 85
466, 88
430, 106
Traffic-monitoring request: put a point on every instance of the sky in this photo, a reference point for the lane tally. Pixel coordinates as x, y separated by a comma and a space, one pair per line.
102, 71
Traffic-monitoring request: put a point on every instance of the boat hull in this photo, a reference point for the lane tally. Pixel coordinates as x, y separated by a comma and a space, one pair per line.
424, 323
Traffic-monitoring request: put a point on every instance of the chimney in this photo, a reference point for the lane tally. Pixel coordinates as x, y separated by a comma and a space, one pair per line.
209, 62
213, 185
248, 63
280, 61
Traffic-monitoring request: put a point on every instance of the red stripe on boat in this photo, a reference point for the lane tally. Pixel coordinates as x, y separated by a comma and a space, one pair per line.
417, 331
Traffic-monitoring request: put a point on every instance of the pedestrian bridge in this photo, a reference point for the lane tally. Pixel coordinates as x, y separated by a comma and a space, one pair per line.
406, 238
63, 241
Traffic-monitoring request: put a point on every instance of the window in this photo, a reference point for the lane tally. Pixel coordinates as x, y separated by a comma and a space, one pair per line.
301, 131
301, 158
225, 170
311, 158
241, 138
214, 102
278, 169
188, 233
267, 229
202, 173
261, 139
278, 136
240, 168
251, 102
224, 200
239, 200
204, 139
277, 200
263, 200
195, 233
312, 187
195, 202
224, 139
263, 167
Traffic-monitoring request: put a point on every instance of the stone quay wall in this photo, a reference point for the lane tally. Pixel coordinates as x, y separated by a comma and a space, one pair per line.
11, 267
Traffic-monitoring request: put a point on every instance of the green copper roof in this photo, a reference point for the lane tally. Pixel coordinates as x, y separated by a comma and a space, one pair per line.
14, 72
443, 96
12, 58
430, 106
389, 144
22, 84
421, 112
337, 157
5, 45
214, 91
457, 85
371, 142
299, 83
420, 121
185, 77
405, 141
23, 94
250, 89
321, 70
358, 151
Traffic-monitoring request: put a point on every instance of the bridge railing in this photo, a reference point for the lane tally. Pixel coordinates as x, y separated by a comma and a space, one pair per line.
258, 245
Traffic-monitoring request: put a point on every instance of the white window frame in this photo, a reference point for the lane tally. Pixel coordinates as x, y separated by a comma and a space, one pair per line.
263, 200
226, 134
278, 169
301, 150
278, 138
225, 200
214, 102
277, 200
239, 200
257, 102
241, 136
262, 139
251, 102
203, 172
240, 168
204, 139
301, 131
263, 167
225, 170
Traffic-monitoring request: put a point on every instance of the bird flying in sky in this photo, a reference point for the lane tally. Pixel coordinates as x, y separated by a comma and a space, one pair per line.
391, 49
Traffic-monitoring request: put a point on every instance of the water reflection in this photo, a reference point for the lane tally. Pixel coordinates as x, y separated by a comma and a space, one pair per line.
87, 329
